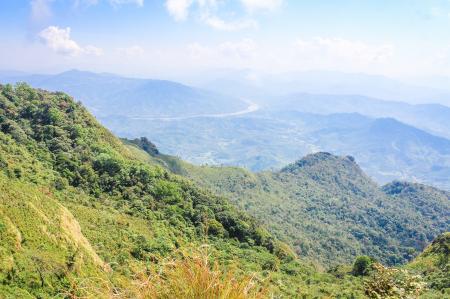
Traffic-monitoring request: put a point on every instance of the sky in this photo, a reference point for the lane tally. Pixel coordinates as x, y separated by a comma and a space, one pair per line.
161, 38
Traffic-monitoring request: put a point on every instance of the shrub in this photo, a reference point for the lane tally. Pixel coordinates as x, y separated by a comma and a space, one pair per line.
393, 283
362, 265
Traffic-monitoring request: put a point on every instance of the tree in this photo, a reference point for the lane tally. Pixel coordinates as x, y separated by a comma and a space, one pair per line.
362, 265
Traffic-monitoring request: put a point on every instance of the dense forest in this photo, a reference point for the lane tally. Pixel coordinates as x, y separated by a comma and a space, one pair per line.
82, 215
328, 210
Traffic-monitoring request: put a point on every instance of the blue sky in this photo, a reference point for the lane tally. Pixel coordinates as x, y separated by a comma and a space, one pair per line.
166, 37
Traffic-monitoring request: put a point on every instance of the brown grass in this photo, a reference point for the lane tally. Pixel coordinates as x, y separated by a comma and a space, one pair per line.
194, 277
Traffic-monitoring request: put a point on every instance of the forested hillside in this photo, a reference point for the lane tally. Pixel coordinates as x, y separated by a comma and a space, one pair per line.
82, 216
328, 210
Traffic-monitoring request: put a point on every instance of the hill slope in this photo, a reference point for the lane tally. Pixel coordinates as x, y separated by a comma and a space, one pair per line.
329, 210
433, 264
82, 216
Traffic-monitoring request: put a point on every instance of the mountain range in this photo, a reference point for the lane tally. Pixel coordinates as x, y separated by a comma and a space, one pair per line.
110, 95
390, 140
85, 214
385, 148
259, 85
327, 208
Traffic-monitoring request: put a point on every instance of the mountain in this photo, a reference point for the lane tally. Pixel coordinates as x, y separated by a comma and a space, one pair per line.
205, 127
433, 118
328, 210
83, 216
388, 149
385, 148
260, 86
111, 95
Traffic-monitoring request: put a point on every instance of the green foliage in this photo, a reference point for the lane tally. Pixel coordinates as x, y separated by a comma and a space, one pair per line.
362, 265
433, 264
81, 215
328, 210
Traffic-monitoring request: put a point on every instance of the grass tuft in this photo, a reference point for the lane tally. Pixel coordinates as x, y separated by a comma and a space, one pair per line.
194, 276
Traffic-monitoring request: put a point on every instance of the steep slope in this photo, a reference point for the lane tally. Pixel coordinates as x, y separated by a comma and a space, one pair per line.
108, 94
433, 264
329, 210
81, 216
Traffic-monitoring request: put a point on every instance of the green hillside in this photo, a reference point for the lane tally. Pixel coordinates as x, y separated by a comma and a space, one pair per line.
433, 264
328, 210
83, 216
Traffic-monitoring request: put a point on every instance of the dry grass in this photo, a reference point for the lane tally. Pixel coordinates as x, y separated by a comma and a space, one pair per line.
194, 277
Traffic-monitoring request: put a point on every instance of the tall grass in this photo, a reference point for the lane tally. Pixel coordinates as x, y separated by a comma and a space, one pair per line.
193, 276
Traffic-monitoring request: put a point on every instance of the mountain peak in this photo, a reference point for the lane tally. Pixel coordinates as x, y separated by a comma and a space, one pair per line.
317, 158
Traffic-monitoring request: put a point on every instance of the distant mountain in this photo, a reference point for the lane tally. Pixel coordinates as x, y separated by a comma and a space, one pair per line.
108, 94
328, 209
433, 118
192, 123
251, 83
385, 148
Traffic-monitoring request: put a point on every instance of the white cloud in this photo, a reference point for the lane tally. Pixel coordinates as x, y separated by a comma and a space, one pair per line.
120, 2
40, 9
211, 12
227, 53
330, 53
133, 51
178, 9
196, 50
254, 5
58, 39
92, 50
220, 24
77, 3
112, 2
239, 49
343, 50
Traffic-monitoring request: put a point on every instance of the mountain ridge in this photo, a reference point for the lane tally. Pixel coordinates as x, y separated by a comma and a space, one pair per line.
83, 215
331, 197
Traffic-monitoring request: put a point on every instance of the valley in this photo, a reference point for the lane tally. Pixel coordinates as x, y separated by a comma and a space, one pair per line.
79, 207
390, 140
